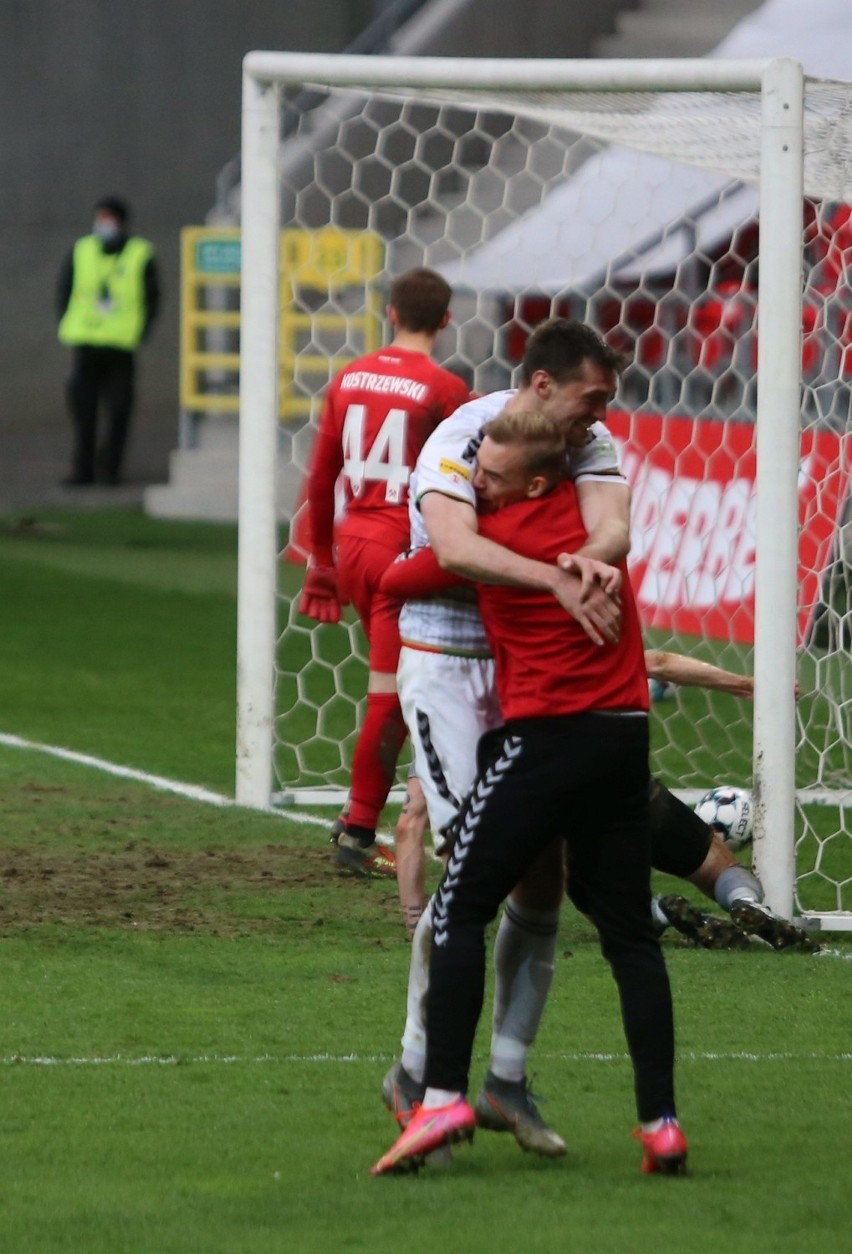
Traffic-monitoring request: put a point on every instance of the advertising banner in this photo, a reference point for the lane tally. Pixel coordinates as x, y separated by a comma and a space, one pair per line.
694, 532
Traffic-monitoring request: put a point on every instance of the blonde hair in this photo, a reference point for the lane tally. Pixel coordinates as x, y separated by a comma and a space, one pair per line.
539, 436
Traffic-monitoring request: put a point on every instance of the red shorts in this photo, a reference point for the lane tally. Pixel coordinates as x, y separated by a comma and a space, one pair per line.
360, 566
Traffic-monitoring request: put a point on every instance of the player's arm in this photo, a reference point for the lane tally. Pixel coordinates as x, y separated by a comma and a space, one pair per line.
605, 509
604, 503
454, 536
417, 575
320, 597
689, 672
674, 668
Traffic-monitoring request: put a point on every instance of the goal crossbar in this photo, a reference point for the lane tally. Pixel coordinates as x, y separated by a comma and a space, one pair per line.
505, 74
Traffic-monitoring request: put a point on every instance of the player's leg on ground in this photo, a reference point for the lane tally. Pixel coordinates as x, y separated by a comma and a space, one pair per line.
721, 877
361, 565
488, 858
448, 702
739, 892
500, 835
610, 862
524, 961
380, 740
410, 850
683, 845
680, 840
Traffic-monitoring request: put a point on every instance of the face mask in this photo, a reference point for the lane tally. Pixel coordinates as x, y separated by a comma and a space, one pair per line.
105, 230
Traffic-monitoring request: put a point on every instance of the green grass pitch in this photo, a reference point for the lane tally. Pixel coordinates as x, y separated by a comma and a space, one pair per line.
196, 1014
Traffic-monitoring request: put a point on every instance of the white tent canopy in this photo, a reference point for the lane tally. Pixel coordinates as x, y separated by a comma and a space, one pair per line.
631, 213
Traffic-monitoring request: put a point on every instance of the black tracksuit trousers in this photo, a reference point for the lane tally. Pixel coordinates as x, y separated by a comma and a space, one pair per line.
584, 777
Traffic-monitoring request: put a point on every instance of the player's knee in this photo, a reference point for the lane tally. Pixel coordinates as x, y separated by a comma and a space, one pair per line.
541, 886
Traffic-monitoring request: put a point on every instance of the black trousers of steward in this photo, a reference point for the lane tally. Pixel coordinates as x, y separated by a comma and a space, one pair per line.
100, 375
583, 777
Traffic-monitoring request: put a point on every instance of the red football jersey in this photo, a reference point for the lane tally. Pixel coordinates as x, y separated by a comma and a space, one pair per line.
545, 663
378, 413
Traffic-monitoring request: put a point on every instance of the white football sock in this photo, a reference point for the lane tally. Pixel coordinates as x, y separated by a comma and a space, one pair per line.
737, 884
524, 956
657, 915
433, 1098
414, 1036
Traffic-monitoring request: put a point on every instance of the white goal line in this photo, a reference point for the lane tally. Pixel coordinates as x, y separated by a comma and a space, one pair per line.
307, 796
193, 792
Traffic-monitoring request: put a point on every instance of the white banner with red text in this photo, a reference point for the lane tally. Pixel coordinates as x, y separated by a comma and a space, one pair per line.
694, 533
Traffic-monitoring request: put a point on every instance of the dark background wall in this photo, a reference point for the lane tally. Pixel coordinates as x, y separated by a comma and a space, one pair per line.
135, 99
142, 99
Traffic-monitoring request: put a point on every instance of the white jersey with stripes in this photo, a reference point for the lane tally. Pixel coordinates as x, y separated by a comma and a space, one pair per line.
451, 623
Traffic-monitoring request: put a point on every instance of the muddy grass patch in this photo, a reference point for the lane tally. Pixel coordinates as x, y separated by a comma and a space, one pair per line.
224, 891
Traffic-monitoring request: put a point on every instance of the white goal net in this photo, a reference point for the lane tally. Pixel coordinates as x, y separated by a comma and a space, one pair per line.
698, 215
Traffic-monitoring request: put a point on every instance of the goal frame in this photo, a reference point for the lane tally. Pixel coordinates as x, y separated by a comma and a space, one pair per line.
780, 84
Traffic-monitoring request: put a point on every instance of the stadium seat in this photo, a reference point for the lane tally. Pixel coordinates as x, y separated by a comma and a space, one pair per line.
718, 323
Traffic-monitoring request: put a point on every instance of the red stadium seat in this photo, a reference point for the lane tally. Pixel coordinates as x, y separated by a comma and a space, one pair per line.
718, 322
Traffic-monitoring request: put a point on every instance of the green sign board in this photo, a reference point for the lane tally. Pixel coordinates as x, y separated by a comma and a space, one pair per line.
217, 256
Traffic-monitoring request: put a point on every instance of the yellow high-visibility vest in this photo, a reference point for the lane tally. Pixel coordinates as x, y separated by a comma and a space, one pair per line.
107, 305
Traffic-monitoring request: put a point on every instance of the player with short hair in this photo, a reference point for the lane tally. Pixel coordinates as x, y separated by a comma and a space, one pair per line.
378, 412
576, 729
447, 691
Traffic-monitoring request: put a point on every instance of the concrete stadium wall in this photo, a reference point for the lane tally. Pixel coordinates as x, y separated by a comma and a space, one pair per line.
137, 100
143, 101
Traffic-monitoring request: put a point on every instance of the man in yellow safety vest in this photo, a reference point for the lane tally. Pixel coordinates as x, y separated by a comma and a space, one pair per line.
107, 298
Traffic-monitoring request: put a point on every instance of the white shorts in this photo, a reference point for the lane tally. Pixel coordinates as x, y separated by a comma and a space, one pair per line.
448, 703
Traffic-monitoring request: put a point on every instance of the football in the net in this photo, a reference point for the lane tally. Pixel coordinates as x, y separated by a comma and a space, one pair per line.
729, 811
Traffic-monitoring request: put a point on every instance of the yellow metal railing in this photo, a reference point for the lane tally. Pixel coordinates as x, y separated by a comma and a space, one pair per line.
330, 313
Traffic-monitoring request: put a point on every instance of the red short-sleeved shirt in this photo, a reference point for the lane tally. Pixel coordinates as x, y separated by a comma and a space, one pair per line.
546, 664
378, 414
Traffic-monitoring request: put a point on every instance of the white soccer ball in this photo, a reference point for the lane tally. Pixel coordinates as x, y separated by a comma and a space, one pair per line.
729, 811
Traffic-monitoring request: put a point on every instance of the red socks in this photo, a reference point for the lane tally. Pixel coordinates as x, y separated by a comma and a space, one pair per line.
380, 740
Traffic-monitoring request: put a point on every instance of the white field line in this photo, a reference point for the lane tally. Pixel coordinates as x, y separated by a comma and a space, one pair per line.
176, 1060
190, 791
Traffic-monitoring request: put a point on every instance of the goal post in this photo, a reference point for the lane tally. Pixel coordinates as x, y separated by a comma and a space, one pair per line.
778, 433
258, 443
564, 111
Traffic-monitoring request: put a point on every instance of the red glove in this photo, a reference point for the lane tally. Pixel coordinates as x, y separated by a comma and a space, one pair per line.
320, 597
